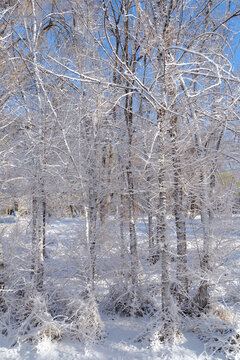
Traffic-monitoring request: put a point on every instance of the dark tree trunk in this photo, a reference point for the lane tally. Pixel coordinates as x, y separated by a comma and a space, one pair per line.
37, 243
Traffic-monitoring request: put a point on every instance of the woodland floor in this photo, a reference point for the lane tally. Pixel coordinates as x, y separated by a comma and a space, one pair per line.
65, 266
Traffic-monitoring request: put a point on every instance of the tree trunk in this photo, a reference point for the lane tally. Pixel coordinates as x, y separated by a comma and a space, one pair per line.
161, 16
121, 220
203, 292
131, 223
202, 297
128, 112
168, 330
2, 283
150, 236
179, 214
92, 232
37, 244
149, 211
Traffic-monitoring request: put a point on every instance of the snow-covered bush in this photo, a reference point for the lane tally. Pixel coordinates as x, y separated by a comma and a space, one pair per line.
162, 336
27, 317
124, 300
38, 323
83, 320
218, 329
163, 328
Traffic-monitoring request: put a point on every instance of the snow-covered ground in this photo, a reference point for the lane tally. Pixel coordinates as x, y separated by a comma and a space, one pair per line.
64, 272
118, 345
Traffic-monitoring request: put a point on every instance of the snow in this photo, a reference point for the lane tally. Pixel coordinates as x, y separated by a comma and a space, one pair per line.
119, 345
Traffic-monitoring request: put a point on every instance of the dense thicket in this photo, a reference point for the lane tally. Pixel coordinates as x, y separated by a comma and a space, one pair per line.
117, 113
